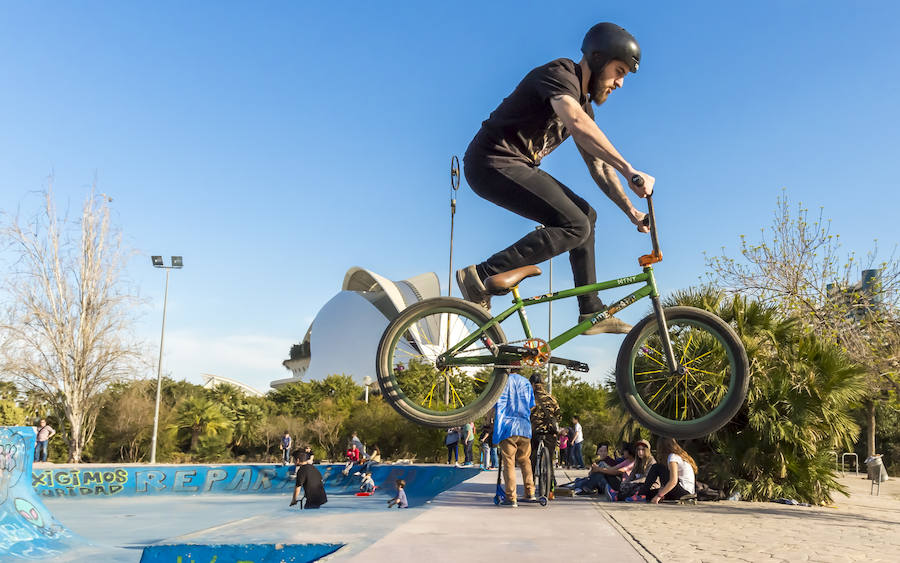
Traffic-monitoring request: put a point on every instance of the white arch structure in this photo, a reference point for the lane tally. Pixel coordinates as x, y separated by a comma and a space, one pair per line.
344, 336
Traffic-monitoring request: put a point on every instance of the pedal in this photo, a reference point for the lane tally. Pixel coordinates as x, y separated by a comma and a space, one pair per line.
571, 364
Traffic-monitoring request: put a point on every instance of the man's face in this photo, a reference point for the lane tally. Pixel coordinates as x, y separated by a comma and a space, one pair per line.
603, 451
611, 77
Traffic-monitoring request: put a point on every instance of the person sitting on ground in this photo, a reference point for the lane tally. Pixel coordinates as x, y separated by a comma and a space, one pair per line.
643, 461
602, 455
400, 499
353, 455
354, 439
310, 480
602, 476
374, 459
368, 484
676, 474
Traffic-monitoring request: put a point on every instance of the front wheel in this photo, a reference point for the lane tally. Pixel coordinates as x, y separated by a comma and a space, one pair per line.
422, 387
698, 395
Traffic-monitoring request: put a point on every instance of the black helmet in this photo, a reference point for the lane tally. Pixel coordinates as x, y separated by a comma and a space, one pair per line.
607, 41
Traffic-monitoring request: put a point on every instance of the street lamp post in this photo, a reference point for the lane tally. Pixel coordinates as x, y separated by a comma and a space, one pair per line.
177, 263
367, 381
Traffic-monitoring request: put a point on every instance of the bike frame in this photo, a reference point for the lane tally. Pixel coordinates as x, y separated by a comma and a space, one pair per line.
647, 290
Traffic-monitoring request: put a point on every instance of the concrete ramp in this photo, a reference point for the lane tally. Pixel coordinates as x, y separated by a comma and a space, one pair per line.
27, 529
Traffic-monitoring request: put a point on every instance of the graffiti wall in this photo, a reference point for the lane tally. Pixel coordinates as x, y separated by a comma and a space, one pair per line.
422, 482
27, 529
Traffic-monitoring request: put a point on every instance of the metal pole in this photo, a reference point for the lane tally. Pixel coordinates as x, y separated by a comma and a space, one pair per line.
550, 332
454, 185
162, 338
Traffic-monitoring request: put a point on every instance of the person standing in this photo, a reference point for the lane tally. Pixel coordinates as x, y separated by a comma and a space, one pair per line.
563, 448
44, 433
577, 440
468, 439
310, 480
487, 444
286, 445
544, 418
512, 430
452, 443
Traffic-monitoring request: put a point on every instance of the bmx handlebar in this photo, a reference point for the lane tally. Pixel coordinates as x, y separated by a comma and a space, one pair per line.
650, 221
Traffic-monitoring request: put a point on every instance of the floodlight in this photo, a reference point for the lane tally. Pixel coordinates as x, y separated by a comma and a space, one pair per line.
157, 261
177, 262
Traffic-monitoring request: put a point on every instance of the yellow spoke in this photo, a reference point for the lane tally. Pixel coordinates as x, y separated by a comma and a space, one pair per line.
706, 372
647, 372
698, 357
652, 359
430, 396
686, 347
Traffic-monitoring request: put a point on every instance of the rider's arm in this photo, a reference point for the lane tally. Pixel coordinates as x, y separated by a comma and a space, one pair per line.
608, 181
589, 137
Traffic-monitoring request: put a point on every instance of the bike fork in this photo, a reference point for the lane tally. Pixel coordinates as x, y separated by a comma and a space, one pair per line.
664, 334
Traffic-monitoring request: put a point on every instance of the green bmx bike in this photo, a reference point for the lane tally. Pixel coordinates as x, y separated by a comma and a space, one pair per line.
681, 372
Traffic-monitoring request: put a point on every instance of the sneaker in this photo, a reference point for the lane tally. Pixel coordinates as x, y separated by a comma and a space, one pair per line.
584, 492
508, 502
613, 495
355, 473
472, 288
636, 498
532, 498
467, 464
609, 325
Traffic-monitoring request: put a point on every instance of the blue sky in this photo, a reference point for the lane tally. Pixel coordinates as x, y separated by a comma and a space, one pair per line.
275, 145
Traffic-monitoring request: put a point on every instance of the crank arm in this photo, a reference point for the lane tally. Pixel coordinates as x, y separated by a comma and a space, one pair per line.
571, 364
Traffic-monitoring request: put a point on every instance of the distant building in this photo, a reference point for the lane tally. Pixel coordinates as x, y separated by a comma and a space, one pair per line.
861, 298
344, 336
210, 381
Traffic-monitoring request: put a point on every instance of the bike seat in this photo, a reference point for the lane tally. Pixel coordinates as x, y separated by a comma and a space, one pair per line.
500, 284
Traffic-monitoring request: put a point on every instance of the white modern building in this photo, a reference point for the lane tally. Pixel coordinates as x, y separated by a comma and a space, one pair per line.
344, 336
210, 381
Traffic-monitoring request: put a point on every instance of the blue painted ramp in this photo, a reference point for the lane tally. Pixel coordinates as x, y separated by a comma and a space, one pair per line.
27, 529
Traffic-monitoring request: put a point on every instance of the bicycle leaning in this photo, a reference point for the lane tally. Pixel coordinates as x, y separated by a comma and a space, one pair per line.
681, 372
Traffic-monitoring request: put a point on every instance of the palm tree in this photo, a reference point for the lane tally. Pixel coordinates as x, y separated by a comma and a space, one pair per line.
202, 417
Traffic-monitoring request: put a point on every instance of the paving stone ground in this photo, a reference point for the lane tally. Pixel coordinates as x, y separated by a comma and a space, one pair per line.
861, 527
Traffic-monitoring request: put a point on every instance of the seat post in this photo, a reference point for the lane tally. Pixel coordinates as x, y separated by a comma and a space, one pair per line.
517, 299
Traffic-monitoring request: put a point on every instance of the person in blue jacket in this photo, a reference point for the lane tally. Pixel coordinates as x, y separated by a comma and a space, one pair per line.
512, 431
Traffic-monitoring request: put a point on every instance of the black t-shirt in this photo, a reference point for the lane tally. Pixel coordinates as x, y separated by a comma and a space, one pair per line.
524, 128
310, 479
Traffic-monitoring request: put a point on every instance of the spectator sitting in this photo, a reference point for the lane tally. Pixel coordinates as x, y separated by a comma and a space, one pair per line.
631, 484
603, 476
400, 499
676, 474
352, 457
374, 459
602, 455
368, 484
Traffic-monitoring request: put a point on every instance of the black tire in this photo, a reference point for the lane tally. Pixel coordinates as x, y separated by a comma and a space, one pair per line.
406, 363
715, 379
544, 466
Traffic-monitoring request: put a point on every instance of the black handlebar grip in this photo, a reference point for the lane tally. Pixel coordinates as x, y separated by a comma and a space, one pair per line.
637, 180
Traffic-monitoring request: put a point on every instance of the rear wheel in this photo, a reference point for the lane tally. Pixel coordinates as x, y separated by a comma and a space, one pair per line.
544, 468
418, 385
697, 396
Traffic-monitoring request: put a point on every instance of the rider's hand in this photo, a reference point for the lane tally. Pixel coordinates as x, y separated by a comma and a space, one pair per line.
646, 189
656, 499
639, 218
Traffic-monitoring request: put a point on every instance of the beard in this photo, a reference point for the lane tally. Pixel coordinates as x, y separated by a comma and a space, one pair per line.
597, 93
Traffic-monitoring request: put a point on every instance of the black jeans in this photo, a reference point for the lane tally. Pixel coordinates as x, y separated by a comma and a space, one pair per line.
661, 471
567, 218
453, 452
